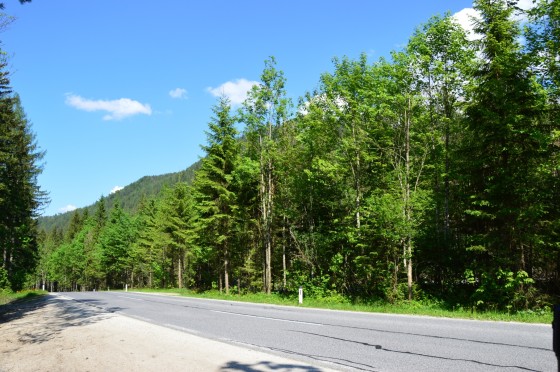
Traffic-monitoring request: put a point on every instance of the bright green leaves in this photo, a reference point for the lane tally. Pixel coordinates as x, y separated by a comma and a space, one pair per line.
446, 156
264, 111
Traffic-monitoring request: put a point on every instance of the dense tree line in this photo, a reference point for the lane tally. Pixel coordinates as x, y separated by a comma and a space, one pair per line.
434, 174
20, 194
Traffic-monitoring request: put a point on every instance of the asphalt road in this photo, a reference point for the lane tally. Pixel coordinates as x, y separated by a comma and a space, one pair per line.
344, 340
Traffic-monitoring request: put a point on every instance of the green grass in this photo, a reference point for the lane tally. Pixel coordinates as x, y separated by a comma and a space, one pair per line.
405, 307
7, 297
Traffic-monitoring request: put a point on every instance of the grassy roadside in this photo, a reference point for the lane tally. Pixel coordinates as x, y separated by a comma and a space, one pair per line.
405, 307
7, 297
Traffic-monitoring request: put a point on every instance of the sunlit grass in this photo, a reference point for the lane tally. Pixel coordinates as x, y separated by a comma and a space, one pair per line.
403, 307
6, 297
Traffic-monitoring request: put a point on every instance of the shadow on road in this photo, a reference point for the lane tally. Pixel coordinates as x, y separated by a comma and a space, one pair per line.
267, 366
41, 319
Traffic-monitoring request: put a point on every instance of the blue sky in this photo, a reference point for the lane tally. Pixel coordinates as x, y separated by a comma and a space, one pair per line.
117, 90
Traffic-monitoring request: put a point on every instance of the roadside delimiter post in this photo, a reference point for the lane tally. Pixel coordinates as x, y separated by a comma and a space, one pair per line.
300, 295
556, 334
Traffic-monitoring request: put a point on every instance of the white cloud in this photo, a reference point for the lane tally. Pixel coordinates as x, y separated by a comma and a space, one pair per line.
466, 18
115, 189
523, 5
118, 109
235, 90
68, 208
178, 93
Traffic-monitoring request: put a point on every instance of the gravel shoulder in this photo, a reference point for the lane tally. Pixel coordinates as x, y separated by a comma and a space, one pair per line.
52, 333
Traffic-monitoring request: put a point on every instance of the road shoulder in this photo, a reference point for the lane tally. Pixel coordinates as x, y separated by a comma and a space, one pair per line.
56, 334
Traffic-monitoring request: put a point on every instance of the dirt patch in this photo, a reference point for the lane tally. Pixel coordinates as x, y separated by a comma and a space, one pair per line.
52, 333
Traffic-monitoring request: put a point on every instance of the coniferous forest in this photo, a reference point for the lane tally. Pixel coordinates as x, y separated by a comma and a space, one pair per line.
433, 174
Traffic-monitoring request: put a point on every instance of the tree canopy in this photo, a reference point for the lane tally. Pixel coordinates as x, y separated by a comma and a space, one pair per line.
432, 174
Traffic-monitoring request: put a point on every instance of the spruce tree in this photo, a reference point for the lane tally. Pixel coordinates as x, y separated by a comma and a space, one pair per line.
20, 195
177, 217
502, 150
214, 190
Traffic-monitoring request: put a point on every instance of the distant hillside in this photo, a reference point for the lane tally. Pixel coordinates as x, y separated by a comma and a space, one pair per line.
129, 197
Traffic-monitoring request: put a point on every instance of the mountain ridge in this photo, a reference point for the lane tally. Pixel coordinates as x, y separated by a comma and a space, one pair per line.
128, 197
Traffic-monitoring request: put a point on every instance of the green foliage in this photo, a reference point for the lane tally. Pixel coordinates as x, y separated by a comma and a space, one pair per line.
20, 195
214, 188
428, 181
5, 285
501, 289
10, 297
130, 198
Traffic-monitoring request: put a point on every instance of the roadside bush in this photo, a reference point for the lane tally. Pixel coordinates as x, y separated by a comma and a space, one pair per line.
5, 285
502, 290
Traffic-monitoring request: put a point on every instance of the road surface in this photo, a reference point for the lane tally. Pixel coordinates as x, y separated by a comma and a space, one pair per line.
344, 340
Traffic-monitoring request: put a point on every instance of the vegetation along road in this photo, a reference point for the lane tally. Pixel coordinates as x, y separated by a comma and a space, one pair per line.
343, 340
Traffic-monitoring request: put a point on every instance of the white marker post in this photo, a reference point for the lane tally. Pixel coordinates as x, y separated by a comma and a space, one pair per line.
300, 295
126, 287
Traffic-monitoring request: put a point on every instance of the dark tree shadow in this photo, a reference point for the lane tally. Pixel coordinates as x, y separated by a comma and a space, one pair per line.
64, 313
18, 308
268, 366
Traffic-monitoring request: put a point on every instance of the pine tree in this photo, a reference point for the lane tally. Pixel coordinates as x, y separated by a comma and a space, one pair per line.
147, 248
177, 219
503, 148
214, 190
20, 195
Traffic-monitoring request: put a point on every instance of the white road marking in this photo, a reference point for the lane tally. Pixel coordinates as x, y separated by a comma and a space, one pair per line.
131, 298
267, 318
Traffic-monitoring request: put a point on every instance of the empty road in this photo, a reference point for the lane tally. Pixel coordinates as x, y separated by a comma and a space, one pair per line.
344, 340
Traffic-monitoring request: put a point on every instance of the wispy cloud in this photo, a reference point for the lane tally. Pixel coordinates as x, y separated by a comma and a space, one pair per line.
115, 189
68, 208
235, 90
117, 109
178, 93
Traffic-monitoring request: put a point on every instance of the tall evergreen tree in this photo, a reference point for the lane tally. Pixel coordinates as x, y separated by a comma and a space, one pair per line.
503, 150
177, 217
213, 185
20, 195
543, 36
147, 249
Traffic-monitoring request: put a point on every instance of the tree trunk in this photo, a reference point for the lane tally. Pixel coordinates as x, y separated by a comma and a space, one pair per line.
284, 254
407, 206
180, 272
226, 273
266, 203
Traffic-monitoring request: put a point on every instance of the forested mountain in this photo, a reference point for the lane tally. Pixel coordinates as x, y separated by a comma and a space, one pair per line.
434, 174
129, 197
